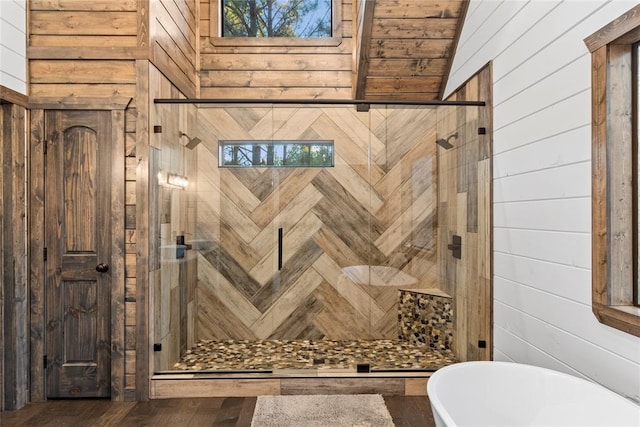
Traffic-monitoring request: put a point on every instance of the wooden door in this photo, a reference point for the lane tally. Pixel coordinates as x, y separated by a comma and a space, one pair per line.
77, 242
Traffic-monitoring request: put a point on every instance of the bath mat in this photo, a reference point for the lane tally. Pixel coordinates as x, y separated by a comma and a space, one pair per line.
354, 410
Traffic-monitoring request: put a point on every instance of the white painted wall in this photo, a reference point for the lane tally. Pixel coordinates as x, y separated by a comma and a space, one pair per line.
542, 184
13, 45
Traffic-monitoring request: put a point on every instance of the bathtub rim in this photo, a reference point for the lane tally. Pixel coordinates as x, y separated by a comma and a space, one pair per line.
440, 410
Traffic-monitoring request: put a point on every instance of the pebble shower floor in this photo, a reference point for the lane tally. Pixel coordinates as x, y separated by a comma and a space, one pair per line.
257, 355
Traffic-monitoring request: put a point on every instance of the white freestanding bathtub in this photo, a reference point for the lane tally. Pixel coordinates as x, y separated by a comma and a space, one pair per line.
512, 394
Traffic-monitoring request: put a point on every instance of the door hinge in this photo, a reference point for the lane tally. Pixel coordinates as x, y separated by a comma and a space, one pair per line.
44, 253
44, 361
456, 247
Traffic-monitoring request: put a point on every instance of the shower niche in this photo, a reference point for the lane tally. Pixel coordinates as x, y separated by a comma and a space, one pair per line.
297, 231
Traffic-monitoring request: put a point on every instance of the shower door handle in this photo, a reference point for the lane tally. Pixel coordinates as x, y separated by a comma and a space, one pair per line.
279, 248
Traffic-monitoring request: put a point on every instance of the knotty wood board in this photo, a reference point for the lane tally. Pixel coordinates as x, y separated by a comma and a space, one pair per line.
14, 295
36, 246
161, 389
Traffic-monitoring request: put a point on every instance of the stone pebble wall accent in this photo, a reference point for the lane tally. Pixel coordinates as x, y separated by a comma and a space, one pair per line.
426, 319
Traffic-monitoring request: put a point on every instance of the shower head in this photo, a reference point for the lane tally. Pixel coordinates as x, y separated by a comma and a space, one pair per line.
193, 142
444, 143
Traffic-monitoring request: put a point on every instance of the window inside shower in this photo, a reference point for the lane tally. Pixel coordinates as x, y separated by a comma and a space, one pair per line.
293, 153
305, 238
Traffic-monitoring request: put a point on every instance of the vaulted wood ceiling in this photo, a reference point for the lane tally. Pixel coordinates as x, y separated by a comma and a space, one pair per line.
406, 47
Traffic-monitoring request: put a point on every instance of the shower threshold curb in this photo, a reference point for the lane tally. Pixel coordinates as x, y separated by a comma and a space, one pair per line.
296, 373
288, 382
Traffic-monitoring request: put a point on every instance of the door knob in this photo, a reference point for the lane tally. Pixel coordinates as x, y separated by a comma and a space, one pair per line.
102, 268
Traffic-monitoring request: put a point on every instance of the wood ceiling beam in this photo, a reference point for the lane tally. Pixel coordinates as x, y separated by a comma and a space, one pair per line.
363, 42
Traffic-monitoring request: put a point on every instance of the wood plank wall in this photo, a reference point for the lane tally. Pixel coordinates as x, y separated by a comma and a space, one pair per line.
87, 49
138, 359
362, 24
174, 42
36, 246
14, 344
464, 209
82, 49
254, 71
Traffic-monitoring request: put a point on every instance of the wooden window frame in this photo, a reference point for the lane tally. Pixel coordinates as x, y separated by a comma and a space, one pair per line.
614, 180
336, 31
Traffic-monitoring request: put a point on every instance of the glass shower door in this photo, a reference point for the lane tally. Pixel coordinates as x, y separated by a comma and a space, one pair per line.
288, 208
323, 212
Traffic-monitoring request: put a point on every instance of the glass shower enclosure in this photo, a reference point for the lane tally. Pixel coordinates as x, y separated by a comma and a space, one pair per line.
297, 231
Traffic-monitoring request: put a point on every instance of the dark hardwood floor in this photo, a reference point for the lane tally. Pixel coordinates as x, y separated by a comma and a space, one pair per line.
406, 411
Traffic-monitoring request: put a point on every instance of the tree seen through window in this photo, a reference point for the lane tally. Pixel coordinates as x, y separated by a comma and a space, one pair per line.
276, 18
246, 154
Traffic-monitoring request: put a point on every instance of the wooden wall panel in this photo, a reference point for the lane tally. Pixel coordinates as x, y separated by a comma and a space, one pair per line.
364, 13
81, 71
49, 40
205, 18
347, 18
78, 23
379, 213
82, 23
84, 5
313, 71
118, 275
14, 378
36, 247
130, 296
131, 248
82, 49
174, 42
2, 274
464, 209
140, 377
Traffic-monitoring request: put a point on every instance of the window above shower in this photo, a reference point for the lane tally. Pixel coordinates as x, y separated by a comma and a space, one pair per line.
303, 24
279, 18
249, 154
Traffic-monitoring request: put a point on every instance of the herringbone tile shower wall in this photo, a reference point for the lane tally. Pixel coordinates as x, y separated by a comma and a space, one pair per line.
360, 212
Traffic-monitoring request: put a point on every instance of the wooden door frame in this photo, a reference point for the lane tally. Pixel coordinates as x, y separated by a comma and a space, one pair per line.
35, 236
